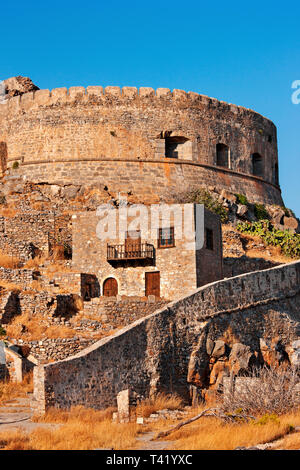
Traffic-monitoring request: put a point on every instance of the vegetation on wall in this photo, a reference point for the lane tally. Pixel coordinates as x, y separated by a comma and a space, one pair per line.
260, 212
202, 196
241, 199
288, 242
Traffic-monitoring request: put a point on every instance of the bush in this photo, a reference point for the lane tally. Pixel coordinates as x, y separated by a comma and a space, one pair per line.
242, 199
2, 331
15, 165
288, 242
261, 212
272, 392
202, 196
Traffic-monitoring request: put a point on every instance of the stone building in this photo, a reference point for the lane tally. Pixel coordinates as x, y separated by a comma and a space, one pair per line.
163, 259
149, 143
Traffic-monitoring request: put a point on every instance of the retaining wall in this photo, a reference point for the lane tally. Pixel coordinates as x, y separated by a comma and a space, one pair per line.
155, 353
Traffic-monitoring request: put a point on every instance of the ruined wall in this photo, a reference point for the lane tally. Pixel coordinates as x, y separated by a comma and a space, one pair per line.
27, 235
118, 139
166, 351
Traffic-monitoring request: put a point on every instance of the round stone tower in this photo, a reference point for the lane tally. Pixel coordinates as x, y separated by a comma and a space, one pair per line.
151, 144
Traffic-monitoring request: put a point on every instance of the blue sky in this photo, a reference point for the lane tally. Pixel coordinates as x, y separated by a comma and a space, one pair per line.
244, 54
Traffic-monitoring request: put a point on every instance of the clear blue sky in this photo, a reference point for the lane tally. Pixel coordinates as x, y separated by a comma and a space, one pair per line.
247, 54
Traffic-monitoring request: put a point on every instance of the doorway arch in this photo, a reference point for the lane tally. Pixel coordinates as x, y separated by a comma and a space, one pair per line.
110, 287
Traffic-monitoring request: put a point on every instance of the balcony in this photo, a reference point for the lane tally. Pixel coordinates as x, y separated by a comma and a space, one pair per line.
134, 252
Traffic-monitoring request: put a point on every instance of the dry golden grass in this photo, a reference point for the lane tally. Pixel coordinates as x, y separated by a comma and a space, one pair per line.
10, 286
160, 402
213, 434
11, 390
81, 429
85, 429
34, 263
9, 261
289, 442
36, 328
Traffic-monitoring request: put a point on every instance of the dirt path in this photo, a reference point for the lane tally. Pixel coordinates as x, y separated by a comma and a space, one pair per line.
148, 444
17, 414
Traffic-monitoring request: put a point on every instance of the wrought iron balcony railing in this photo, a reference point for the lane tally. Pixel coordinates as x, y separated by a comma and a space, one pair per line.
123, 252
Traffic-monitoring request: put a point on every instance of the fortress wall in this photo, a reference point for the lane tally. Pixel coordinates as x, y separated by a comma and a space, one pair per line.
126, 125
150, 181
157, 352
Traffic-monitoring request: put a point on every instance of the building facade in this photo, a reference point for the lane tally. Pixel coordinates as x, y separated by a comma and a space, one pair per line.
165, 259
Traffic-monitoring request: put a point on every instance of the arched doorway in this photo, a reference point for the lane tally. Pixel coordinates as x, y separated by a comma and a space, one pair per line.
110, 287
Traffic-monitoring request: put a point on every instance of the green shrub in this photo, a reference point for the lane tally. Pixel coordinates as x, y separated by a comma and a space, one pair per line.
261, 212
288, 242
242, 199
2, 331
268, 418
15, 165
202, 196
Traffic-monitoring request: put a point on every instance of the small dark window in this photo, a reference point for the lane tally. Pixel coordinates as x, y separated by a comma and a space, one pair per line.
166, 238
270, 138
209, 239
276, 176
257, 165
222, 155
175, 147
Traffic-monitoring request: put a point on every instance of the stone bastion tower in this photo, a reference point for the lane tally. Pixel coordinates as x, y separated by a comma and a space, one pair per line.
149, 143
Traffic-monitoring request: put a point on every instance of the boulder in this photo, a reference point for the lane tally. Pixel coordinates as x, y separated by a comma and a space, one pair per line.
210, 344
242, 210
290, 223
227, 196
219, 349
240, 357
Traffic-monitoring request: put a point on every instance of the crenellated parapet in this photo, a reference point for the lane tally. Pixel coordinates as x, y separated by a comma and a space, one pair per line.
141, 140
25, 102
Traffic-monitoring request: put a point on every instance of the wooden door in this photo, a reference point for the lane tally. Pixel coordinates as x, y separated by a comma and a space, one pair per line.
133, 244
110, 287
152, 283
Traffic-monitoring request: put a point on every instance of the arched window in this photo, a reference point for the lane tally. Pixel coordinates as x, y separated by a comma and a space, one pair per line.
222, 155
110, 287
177, 147
257, 165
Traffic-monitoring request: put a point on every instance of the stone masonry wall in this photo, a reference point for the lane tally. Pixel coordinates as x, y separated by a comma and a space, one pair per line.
119, 140
29, 234
181, 268
166, 350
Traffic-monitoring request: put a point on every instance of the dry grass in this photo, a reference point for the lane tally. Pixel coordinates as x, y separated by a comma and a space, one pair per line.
11, 390
160, 402
10, 286
34, 263
289, 442
36, 328
9, 261
213, 434
81, 429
